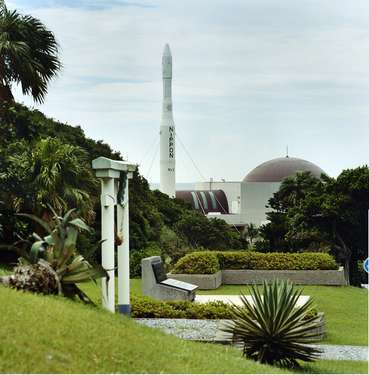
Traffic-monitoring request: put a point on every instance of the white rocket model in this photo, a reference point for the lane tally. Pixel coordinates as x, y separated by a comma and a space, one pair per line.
167, 131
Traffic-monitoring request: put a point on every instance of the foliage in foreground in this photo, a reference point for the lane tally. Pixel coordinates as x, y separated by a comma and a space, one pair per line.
205, 262
272, 329
53, 265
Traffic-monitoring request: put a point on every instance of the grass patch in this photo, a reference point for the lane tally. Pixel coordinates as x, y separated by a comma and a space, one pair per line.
51, 334
342, 306
335, 367
345, 308
46, 334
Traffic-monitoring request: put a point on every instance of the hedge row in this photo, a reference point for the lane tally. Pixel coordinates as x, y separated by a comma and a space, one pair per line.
146, 307
208, 262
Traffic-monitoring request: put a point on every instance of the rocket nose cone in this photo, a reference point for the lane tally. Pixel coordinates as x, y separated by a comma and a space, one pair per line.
167, 50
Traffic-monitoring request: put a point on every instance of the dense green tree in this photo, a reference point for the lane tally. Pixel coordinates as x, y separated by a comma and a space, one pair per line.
339, 212
292, 190
323, 214
213, 234
275, 232
28, 55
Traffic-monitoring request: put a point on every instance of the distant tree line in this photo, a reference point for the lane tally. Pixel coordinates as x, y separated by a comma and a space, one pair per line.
43, 161
327, 214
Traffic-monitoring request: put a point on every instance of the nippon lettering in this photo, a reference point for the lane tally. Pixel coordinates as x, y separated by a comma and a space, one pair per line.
171, 142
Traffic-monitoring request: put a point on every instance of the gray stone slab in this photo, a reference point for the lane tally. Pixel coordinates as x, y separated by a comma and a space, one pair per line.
206, 282
151, 288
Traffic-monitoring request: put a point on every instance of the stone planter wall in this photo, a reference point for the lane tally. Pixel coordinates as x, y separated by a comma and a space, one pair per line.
244, 277
212, 281
308, 277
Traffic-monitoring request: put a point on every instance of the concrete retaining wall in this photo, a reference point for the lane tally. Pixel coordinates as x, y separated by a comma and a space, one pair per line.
212, 281
243, 277
308, 277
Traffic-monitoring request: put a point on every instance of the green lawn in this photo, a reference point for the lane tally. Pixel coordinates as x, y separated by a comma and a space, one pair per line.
51, 334
345, 308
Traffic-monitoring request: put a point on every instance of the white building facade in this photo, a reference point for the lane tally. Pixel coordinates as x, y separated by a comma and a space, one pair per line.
248, 199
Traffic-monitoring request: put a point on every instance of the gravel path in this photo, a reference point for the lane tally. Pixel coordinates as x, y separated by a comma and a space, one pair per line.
208, 331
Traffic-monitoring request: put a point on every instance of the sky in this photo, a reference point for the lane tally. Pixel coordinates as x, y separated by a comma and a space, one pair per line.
250, 77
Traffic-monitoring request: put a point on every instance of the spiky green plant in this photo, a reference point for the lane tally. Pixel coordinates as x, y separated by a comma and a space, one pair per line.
53, 265
272, 328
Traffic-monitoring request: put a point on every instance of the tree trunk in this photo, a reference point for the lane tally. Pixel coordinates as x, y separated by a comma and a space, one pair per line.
347, 270
347, 256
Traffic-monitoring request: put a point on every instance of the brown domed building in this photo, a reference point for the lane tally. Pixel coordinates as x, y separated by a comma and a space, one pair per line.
246, 200
262, 182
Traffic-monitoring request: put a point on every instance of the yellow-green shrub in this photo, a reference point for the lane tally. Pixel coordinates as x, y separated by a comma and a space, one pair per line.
203, 262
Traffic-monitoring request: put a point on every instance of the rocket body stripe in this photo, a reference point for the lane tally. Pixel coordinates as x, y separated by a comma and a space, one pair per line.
167, 131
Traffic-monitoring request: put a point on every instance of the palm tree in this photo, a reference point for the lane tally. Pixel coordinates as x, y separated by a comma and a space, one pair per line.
251, 232
56, 174
293, 190
28, 55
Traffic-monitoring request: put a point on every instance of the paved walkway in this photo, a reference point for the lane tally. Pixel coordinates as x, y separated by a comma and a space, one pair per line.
208, 331
235, 299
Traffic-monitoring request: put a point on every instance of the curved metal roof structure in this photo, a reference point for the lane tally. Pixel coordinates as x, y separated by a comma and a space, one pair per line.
205, 200
276, 170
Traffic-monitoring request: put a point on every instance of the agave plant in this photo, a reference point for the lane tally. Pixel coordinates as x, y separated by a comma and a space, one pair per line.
271, 328
53, 265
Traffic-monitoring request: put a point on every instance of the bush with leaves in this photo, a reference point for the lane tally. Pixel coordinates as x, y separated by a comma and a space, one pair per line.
272, 329
207, 262
53, 265
146, 307
210, 234
137, 255
204, 262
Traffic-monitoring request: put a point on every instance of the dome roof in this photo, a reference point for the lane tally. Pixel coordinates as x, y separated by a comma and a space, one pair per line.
276, 170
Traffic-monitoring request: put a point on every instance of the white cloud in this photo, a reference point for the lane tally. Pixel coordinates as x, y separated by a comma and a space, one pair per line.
249, 78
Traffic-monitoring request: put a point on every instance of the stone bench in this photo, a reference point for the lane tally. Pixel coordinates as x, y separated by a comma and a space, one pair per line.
156, 284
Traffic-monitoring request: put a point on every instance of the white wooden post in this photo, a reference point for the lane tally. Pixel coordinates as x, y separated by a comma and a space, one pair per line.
109, 171
107, 247
123, 255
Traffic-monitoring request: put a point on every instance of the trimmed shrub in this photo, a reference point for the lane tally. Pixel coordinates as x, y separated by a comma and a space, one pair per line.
198, 262
146, 307
202, 262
